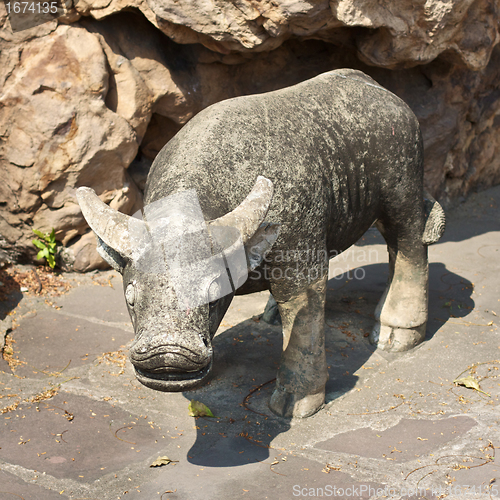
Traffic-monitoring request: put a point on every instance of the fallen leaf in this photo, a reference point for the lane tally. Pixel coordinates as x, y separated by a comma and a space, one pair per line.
329, 467
162, 461
197, 409
470, 382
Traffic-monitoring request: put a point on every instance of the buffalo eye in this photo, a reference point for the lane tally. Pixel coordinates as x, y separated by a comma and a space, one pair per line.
130, 294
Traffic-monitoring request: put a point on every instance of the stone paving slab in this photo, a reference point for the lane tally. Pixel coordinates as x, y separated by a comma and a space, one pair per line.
50, 341
13, 488
102, 302
401, 443
393, 422
477, 479
281, 477
59, 437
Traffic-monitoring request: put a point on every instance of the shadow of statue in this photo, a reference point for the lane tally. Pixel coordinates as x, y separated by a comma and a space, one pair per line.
10, 296
450, 296
247, 357
10, 293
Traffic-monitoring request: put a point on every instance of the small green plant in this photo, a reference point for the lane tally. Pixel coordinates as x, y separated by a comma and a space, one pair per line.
47, 245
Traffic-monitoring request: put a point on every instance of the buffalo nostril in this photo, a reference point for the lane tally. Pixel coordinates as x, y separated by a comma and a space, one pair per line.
205, 341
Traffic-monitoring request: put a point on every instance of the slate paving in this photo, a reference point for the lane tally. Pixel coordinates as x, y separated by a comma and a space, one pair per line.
76, 424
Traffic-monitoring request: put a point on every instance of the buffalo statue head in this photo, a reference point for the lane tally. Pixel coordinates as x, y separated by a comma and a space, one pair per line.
179, 275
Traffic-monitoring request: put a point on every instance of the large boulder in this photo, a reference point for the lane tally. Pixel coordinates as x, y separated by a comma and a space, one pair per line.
90, 98
58, 132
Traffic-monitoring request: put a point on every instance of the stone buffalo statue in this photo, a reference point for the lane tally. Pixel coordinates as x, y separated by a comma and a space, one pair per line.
301, 173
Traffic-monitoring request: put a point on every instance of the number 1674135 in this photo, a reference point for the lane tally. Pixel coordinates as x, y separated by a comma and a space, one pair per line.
31, 7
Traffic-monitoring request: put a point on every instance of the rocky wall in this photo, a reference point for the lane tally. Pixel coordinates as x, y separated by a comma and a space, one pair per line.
91, 97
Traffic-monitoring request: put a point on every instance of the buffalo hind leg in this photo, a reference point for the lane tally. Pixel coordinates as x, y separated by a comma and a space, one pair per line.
302, 375
401, 314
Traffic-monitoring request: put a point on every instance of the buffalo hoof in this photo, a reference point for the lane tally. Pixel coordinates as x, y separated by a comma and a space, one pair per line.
286, 404
394, 339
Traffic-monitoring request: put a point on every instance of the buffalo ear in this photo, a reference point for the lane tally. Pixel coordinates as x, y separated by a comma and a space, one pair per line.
259, 245
112, 257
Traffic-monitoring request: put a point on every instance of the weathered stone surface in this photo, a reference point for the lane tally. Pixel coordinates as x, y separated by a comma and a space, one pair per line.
81, 95
161, 69
82, 256
59, 133
161, 129
392, 36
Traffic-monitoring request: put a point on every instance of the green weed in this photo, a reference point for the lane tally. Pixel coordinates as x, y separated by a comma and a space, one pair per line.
47, 246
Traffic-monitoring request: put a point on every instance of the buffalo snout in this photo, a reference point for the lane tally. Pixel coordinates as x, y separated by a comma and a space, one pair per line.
167, 365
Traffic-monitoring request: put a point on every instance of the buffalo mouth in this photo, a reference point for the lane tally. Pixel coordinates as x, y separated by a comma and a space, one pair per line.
167, 380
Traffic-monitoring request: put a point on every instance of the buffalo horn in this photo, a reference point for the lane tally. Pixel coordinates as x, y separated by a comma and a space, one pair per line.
111, 226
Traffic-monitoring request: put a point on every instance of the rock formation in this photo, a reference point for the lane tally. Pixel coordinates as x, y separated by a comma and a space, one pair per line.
90, 98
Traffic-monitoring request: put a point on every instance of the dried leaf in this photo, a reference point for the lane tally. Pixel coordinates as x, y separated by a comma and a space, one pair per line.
470, 382
197, 409
162, 461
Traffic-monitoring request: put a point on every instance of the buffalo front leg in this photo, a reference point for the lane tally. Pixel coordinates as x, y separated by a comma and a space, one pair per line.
302, 375
401, 315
